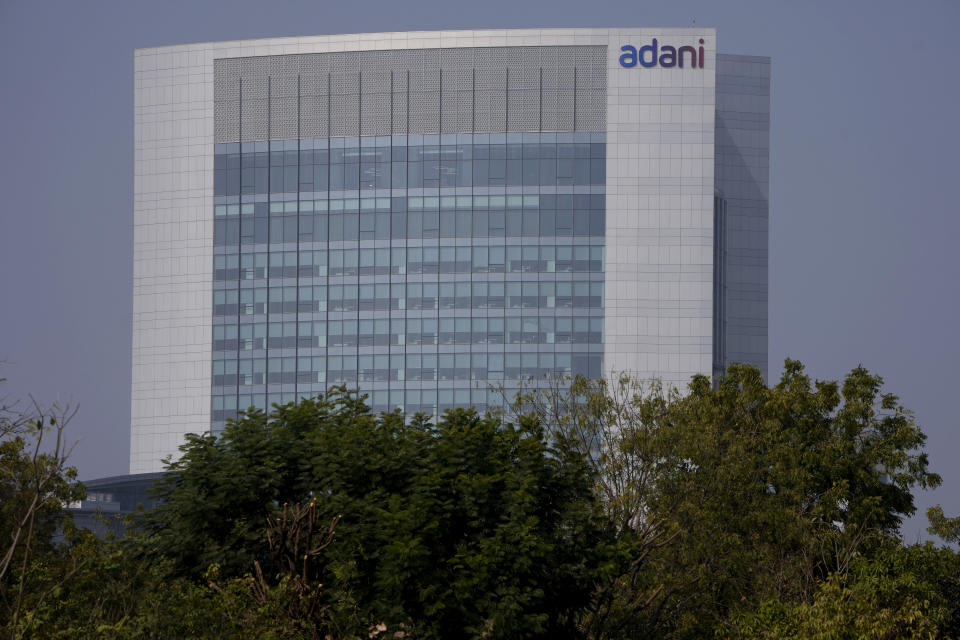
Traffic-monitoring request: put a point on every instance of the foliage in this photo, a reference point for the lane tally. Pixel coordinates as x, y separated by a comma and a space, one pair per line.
772, 489
735, 493
899, 593
597, 509
35, 483
940, 525
617, 427
468, 527
117, 594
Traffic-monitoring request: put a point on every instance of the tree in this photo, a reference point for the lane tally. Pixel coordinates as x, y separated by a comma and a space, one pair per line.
897, 593
471, 527
736, 493
942, 526
35, 483
597, 509
616, 425
115, 591
779, 487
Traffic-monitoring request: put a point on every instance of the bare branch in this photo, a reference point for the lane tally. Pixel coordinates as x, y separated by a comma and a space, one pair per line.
35, 470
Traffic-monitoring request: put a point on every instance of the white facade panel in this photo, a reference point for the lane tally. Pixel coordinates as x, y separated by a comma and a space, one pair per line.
658, 304
173, 250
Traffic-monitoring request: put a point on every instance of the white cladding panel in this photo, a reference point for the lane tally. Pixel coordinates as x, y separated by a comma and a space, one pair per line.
659, 260
173, 251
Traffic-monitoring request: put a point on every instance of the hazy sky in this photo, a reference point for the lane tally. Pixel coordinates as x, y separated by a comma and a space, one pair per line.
865, 183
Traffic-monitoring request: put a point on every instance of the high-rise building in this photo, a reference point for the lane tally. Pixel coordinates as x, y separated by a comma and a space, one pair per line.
423, 214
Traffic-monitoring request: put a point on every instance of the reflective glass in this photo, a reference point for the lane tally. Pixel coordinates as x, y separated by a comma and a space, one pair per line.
482, 264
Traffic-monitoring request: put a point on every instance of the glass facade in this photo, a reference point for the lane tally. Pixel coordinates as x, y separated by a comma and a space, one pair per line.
419, 269
742, 187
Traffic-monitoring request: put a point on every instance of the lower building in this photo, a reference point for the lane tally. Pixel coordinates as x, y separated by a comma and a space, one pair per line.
110, 500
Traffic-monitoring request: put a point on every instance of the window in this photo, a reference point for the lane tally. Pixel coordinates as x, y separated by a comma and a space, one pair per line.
315, 285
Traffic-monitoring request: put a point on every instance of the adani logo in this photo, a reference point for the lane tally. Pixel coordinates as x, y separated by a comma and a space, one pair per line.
647, 56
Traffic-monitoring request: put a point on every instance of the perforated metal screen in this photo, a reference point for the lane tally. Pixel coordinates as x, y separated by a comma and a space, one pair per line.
410, 91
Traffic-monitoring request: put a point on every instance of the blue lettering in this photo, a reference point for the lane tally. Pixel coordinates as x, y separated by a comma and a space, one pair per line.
693, 56
628, 59
650, 55
649, 48
669, 56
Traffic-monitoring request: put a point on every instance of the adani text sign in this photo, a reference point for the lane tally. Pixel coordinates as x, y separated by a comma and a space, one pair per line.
651, 55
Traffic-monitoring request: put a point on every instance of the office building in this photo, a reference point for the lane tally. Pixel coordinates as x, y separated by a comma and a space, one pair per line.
422, 215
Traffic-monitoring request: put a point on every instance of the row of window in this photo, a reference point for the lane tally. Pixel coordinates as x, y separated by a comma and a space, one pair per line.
386, 142
410, 167
305, 153
413, 260
351, 227
356, 370
412, 400
445, 203
413, 175
411, 331
580, 294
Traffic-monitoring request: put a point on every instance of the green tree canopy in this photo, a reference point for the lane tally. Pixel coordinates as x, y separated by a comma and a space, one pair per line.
895, 593
774, 488
737, 492
466, 527
943, 526
598, 509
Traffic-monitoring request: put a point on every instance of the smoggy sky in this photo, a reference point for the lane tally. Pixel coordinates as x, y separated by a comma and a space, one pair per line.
865, 184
